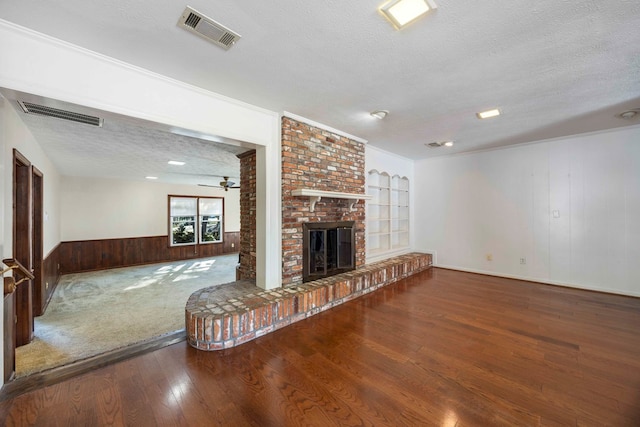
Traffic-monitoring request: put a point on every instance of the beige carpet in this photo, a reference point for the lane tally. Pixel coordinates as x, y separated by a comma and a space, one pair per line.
91, 313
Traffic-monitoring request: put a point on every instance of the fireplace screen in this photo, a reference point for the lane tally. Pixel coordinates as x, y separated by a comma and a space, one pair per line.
328, 249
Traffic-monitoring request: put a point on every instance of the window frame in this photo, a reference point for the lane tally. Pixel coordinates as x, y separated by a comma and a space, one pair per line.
198, 221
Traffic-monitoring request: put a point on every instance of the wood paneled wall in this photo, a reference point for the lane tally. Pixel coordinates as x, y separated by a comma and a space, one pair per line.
90, 255
50, 278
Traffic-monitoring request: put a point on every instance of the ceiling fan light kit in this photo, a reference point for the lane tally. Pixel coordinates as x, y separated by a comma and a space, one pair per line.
225, 183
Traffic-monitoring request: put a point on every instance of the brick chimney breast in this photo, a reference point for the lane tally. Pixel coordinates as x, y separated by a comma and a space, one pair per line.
317, 159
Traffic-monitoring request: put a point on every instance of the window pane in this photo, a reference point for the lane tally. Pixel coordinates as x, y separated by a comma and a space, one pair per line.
210, 206
183, 230
210, 229
183, 206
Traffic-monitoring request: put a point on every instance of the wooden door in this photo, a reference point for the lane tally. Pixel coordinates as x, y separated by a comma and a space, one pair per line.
40, 290
22, 245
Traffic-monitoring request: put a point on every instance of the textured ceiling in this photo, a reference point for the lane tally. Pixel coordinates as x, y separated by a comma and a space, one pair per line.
553, 67
124, 148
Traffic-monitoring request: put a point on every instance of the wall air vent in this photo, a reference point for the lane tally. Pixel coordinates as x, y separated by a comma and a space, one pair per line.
207, 28
43, 110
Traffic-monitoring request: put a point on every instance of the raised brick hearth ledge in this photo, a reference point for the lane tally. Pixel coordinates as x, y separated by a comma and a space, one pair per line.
216, 325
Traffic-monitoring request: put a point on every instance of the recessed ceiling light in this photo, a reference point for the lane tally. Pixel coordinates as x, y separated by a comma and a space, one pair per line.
488, 114
379, 114
628, 115
151, 177
439, 144
403, 12
175, 163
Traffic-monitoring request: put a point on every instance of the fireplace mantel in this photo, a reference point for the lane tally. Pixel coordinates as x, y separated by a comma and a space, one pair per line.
316, 195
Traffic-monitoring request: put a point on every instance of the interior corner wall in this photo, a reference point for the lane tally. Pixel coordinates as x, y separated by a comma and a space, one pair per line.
383, 161
15, 135
563, 211
128, 208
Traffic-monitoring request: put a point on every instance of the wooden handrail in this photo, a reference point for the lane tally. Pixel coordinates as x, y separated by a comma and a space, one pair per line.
14, 264
9, 285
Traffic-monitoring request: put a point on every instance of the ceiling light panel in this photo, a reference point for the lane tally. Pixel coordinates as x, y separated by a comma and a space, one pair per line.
175, 163
403, 12
488, 114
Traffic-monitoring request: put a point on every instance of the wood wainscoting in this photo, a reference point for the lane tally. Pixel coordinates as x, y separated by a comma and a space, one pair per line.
43, 289
91, 255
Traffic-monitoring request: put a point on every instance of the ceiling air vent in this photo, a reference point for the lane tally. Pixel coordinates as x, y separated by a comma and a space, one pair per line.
43, 110
207, 28
434, 145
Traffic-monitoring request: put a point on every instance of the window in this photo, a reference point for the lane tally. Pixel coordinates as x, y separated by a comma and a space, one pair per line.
387, 214
210, 211
195, 220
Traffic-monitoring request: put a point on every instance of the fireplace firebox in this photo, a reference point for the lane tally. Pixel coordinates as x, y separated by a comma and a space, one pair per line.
328, 249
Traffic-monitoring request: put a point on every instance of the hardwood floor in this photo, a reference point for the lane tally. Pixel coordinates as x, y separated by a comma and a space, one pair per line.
442, 348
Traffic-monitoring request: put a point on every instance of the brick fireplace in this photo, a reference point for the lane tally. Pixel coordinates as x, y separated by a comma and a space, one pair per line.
327, 249
314, 158
323, 188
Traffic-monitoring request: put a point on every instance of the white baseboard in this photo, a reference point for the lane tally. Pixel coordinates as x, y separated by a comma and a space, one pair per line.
538, 280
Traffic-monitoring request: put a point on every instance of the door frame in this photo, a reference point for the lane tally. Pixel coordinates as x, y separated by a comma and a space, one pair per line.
23, 244
40, 292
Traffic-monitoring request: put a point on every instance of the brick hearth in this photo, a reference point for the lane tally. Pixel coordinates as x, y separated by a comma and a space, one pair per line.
312, 159
216, 325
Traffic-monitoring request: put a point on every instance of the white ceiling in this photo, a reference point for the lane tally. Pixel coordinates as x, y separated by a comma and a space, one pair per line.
126, 148
553, 67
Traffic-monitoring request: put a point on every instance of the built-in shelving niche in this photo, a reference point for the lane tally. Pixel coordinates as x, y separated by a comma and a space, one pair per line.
387, 214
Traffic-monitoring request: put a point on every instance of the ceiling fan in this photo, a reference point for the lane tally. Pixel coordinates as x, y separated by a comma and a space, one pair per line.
225, 183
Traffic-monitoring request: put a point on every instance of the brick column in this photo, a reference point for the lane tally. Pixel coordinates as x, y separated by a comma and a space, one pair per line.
247, 268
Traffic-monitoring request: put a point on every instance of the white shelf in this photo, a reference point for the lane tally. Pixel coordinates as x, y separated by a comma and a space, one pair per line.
387, 213
316, 195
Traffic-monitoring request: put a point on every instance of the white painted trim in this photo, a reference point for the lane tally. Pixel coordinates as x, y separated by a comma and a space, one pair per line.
538, 280
524, 144
322, 126
66, 45
316, 195
35, 43
269, 220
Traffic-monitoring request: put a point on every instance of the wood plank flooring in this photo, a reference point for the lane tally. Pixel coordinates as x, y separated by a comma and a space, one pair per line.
442, 348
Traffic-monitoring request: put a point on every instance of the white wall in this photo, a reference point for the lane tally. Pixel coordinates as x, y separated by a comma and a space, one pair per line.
97, 208
502, 203
14, 134
383, 161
